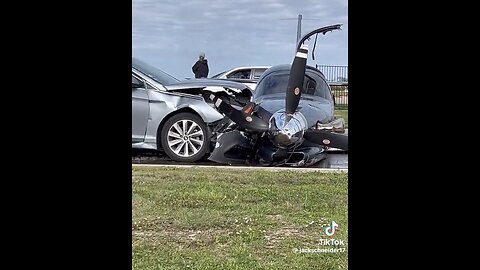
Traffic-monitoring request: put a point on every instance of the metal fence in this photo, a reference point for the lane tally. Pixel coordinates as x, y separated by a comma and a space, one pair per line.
337, 77
340, 94
334, 73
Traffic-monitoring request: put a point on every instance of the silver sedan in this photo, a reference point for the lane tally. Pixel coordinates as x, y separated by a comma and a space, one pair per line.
171, 115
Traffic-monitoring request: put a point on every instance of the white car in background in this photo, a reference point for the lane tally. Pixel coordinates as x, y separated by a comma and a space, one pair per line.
246, 75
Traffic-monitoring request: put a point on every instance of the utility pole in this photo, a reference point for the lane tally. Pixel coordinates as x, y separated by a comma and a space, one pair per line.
299, 27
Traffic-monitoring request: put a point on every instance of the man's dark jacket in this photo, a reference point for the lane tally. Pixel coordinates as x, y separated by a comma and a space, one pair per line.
200, 69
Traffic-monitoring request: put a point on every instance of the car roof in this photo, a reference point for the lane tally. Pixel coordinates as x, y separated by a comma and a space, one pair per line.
285, 67
242, 67
237, 68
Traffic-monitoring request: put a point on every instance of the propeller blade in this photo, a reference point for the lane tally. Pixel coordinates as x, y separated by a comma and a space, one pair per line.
244, 118
295, 81
330, 139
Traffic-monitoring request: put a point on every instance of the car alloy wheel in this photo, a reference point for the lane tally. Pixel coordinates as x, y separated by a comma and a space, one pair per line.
184, 137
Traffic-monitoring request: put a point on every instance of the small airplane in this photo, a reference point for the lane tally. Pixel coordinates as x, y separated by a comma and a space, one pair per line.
289, 121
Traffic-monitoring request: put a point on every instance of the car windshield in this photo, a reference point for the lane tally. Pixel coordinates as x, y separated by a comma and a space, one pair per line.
153, 72
276, 83
218, 75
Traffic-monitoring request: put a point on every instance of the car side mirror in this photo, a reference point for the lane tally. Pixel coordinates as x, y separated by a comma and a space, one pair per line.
137, 85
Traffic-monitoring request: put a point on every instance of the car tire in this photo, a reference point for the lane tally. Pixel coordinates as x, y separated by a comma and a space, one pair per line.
184, 137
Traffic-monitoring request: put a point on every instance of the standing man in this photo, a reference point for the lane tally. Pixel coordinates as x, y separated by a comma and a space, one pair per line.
200, 68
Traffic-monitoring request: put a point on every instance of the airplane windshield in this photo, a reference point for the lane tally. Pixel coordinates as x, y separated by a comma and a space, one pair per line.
276, 83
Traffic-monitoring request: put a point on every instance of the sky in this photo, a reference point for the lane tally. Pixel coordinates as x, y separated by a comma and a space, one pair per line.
170, 34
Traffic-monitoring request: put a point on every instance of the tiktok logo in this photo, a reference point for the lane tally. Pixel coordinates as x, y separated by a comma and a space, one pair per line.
330, 230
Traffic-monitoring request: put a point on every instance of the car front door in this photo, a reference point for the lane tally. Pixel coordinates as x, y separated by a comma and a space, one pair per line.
140, 109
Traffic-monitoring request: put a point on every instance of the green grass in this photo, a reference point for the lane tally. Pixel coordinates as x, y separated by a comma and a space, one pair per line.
342, 113
228, 219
